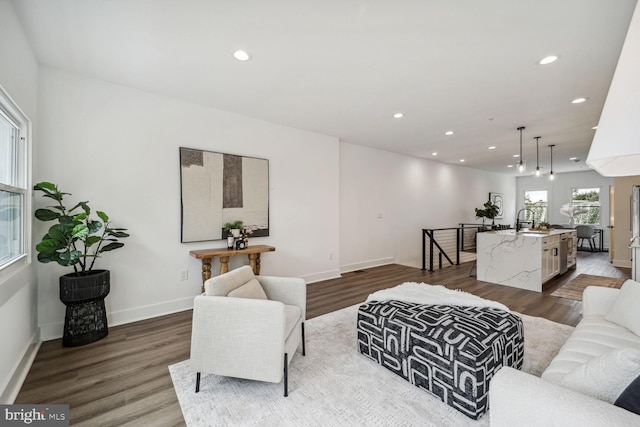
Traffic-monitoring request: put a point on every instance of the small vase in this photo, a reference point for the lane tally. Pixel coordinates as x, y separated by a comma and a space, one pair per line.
230, 242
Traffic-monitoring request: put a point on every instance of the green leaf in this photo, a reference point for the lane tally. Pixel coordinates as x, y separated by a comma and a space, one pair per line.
80, 217
46, 257
118, 234
49, 246
60, 233
45, 186
86, 207
79, 231
92, 240
46, 214
69, 258
94, 226
82, 205
103, 216
66, 219
111, 246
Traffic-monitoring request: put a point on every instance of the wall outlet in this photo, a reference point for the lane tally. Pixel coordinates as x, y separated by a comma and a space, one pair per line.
184, 274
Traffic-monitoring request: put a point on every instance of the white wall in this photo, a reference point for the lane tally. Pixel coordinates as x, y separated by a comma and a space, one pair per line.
18, 328
559, 193
118, 148
386, 200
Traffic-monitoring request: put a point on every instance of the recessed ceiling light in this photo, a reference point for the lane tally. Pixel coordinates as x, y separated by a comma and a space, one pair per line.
595, 127
493, 147
449, 132
578, 100
516, 155
434, 154
509, 166
461, 160
548, 60
241, 55
573, 158
398, 115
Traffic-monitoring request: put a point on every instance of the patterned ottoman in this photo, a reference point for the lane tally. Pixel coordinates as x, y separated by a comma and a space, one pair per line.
450, 351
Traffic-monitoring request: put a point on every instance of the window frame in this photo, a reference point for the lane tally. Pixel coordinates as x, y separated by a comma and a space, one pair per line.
22, 185
599, 190
528, 213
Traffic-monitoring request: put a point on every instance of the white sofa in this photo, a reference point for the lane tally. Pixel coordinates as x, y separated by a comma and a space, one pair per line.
521, 399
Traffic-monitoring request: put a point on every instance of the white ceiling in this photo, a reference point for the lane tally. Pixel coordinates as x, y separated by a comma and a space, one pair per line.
344, 67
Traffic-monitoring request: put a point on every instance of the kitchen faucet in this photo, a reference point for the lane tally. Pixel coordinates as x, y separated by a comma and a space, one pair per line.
518, 218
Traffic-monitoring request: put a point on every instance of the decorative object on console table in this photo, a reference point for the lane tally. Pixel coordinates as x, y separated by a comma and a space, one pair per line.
232, 231
207, 254
77, 241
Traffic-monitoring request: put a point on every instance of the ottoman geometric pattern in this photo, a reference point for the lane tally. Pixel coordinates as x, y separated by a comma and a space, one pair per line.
451, 351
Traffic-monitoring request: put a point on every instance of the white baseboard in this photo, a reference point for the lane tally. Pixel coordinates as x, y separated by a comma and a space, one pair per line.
326, 275
621, 263
53, 331
17, 379
366, 264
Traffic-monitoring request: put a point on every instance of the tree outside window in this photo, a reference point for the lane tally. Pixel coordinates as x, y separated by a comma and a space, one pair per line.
536, 203
586, 202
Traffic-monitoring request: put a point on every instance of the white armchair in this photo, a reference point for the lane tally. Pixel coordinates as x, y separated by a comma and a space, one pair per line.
248, 326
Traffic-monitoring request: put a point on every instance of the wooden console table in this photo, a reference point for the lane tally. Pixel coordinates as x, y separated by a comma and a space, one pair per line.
206, 254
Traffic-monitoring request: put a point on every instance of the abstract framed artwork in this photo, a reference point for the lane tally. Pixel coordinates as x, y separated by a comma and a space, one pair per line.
498, 200
216, 188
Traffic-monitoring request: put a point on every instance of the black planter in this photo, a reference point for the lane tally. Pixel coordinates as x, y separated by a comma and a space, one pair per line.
86, 317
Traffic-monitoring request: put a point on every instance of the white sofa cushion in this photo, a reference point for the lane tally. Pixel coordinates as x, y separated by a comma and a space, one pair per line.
606, 376
292, 316
593, 337
625, 310
220, 286
251, 289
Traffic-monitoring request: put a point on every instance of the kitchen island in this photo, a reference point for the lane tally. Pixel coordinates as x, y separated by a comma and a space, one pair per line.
525, 259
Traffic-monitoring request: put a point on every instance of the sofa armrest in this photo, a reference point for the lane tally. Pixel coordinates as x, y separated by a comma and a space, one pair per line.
596, 300
238, 337
289, 290
520, 399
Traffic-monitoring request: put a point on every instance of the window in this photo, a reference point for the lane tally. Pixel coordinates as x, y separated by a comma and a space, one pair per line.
585, 203
13, 181
536, 204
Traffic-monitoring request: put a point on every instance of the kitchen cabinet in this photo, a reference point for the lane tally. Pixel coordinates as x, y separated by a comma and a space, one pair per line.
550, 257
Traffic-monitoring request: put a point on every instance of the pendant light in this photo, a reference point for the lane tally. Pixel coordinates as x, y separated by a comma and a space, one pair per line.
521, 166
537, 138
551, 176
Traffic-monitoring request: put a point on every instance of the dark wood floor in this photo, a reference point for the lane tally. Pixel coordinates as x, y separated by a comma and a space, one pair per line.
123, 379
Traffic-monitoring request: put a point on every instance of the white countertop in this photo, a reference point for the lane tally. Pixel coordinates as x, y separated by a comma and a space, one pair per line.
531, 233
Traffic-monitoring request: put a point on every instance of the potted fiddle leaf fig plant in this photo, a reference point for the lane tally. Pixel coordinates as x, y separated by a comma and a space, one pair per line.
490, 211
77, 240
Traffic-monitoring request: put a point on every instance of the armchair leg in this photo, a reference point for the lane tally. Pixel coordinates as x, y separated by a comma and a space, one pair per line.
303, 349
197, 382
286, 375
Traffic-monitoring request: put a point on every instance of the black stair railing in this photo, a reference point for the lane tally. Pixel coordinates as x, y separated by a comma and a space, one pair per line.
440, 242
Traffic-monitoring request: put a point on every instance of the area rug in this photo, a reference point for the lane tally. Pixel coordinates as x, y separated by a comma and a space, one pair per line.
334, 385
574, 288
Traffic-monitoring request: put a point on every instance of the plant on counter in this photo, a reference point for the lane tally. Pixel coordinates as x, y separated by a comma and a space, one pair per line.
489, 211
77, 239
